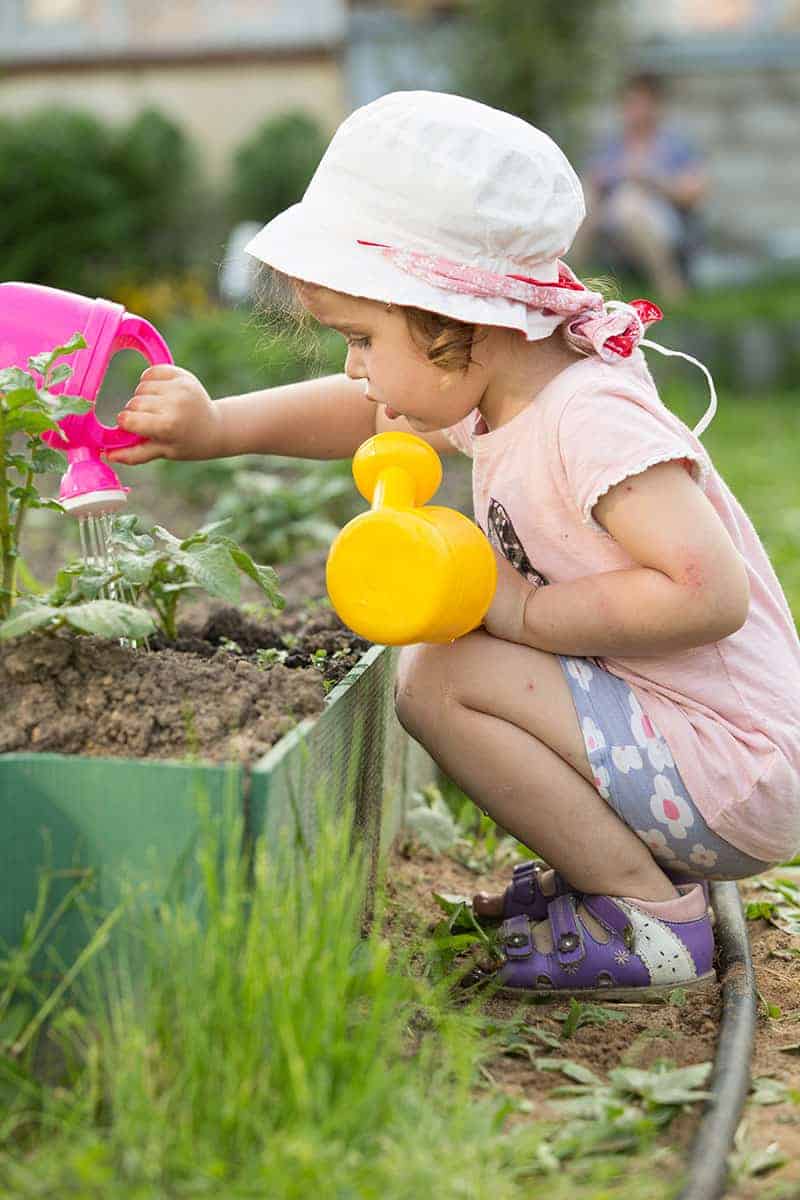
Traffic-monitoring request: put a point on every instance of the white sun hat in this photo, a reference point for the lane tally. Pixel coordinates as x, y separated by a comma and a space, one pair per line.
427, 199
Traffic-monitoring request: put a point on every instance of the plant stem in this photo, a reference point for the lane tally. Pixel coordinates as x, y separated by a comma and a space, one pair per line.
170, 624
6, 532
166, 616
17, 534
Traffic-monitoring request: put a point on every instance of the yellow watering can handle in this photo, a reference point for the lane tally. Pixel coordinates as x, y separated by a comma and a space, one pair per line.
403, 572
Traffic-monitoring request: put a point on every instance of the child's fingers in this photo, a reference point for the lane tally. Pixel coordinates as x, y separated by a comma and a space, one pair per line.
132, 456
149, 424
144, 402
160, 372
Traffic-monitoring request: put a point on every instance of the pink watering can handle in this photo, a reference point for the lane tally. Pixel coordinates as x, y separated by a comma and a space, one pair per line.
135, 333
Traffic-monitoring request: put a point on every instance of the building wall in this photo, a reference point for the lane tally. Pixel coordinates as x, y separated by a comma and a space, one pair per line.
218, 103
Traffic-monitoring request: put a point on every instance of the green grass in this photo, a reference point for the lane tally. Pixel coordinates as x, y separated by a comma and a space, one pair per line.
249, 1040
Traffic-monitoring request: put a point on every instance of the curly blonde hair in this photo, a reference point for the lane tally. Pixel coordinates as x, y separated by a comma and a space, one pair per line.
447, 343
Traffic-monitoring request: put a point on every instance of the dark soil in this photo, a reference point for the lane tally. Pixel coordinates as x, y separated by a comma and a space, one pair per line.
205, 696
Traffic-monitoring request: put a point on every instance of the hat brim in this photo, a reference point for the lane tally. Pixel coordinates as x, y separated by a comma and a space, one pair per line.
297, 245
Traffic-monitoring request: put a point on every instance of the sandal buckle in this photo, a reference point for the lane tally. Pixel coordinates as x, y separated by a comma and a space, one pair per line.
568, 942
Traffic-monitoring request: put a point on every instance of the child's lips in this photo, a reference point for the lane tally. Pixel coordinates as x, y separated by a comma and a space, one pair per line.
391, 413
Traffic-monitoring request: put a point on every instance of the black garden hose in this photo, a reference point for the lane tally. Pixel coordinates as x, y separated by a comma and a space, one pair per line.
707, 1169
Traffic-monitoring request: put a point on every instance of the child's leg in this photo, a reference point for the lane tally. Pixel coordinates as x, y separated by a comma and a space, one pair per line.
499, 719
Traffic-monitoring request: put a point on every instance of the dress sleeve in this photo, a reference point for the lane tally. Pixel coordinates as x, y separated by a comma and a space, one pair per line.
461, 434
605, 436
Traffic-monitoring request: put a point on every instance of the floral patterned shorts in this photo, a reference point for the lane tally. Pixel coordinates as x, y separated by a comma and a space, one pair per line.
634, 771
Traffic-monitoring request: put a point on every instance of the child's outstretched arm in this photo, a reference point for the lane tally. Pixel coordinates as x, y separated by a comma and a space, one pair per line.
690, 586
318, 418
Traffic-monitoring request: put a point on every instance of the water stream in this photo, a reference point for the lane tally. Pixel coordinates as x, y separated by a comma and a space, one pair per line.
97, 551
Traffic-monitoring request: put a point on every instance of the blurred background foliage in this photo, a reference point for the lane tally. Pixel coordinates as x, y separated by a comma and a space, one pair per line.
272, 168
543, 61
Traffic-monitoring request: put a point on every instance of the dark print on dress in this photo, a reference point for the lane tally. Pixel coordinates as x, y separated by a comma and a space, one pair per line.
504, 538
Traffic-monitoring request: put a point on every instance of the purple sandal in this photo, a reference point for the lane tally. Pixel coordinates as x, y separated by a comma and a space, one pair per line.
524, 895
644, 958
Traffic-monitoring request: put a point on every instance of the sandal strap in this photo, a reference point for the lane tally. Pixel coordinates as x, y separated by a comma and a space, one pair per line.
525, 890
517, 938
530, 867
611, 916
566, 929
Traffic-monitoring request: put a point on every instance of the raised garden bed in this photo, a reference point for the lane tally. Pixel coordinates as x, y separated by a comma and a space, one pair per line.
108, 751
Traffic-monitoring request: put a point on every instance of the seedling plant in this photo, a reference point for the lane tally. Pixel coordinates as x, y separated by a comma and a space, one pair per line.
28, 409
154, 568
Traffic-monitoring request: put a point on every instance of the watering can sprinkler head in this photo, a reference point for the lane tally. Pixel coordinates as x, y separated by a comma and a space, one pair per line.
34, 318
90, 487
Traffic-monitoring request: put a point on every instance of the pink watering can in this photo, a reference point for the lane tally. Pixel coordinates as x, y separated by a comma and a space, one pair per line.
35, 318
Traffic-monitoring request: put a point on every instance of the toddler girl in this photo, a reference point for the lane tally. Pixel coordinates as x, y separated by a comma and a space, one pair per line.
628, 709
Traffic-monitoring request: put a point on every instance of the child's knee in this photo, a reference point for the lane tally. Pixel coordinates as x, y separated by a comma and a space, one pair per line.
420, 684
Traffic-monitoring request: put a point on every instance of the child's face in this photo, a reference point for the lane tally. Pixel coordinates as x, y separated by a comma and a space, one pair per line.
396, 372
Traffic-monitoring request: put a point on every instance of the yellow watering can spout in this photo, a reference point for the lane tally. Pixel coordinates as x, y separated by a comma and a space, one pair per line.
404, 572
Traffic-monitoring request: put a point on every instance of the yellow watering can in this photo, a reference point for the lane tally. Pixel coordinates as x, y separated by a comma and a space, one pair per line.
404, 573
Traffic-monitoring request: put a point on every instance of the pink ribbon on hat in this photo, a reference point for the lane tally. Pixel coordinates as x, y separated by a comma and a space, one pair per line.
608, 329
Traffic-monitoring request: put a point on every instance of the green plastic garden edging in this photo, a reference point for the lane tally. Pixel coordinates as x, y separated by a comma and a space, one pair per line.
121, 818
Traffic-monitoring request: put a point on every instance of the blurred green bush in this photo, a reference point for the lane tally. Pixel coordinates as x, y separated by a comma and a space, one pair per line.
234, 351
272, 168
82, 201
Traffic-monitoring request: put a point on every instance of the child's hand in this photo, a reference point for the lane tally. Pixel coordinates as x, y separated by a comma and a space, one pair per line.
506, 616
173, 410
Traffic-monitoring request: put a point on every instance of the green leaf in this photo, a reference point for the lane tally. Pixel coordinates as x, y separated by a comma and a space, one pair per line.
571, 1069
125, 533
13, 379
41, 363
450, 903
44, 458
460, 916
109, 618
167, 537
138, 568
28, 494
212, 568
59, 374
66, 406
766, 1090
18, 462
26, 420
265, 577
433, 826
64, 582
573, 1018
676, 1086
215, 531
25, 617
22, 400
758, 1161
755, 910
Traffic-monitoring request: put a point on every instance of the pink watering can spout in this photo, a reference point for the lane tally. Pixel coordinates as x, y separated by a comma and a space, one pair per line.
35, 318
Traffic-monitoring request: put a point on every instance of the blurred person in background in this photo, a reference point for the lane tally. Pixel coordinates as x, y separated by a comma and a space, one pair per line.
645, 184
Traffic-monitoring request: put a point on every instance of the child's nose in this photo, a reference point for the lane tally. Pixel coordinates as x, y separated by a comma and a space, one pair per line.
353, 366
